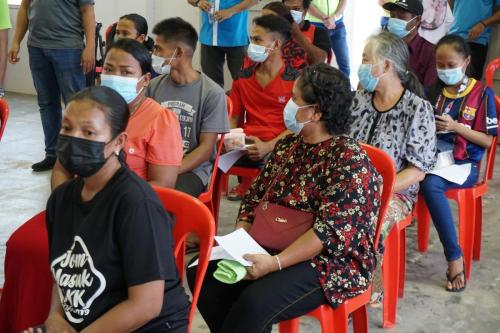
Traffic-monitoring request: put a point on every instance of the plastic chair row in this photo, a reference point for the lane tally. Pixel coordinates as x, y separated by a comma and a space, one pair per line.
4, 115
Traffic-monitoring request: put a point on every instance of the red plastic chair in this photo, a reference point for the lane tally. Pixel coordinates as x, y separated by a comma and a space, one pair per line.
336, 320
470, 212
4, 115
211, 197
490, 71
191, 216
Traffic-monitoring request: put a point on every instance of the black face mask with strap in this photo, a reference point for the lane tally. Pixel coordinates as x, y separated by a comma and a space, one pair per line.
81, 157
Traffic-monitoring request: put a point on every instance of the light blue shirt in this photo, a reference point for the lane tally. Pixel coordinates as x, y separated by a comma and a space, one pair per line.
229, 33
468, 13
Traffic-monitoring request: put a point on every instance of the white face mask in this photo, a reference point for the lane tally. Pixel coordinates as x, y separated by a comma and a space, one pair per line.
297, 16
158, 63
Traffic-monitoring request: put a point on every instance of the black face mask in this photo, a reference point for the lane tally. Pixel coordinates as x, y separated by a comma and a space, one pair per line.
80, 156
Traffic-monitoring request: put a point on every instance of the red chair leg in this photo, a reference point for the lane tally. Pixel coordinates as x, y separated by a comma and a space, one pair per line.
402, 262
289, 326
478, 229
466, 213
340, 320
423, 224
360, 320
390, 273
225, 184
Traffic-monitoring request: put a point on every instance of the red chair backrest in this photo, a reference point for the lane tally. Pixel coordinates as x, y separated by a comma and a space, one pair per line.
110, 33
191, 216
492, 150
490, 71
4, 115
385, 166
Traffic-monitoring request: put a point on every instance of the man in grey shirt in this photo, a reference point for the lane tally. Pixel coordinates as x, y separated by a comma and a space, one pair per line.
58, 58
198, 102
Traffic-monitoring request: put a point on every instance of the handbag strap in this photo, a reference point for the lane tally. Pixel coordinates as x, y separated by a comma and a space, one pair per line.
289, 154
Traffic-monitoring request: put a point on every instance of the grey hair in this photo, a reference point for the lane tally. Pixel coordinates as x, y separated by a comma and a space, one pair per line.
388, 46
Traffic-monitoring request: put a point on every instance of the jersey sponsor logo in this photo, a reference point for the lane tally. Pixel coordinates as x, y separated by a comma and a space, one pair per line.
469, 113
282, 99
491, 123
78, 281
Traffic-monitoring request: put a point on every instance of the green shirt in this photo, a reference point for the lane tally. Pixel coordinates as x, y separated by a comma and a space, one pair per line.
4, 15
328, 7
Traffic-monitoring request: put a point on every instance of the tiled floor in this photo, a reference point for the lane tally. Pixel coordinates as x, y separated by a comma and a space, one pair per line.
425, 308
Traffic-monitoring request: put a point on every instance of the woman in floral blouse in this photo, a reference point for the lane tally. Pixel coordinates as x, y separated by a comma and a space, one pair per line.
391, 114
319, 170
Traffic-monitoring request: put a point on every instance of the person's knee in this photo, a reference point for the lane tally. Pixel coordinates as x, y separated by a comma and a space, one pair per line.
431, 184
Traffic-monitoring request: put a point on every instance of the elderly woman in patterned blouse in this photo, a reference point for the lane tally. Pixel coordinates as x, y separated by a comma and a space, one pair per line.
325, 172
390, 113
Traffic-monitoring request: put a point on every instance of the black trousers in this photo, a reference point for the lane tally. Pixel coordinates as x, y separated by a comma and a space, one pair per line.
478, 58
213, 58
190, 183
254, 306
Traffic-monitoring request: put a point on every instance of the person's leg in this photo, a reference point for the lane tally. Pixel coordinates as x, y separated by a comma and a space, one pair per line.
216, 298
478, 58
68, 69
49, 102
384, 20
4, 40
276, 297
235, 57
212, 63
433, 189
338, 39
190, 183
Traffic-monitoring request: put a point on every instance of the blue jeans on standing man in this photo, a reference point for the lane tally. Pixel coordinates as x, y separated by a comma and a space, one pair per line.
433, 189
338, 41
56, 73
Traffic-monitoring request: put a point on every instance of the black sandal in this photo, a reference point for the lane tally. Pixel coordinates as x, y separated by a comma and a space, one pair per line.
451, 280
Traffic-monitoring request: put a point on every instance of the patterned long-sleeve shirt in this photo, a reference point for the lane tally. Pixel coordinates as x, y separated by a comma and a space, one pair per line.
336, 181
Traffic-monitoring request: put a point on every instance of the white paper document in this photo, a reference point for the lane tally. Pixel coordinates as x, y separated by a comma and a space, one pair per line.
234, 246
227, 160
456, 173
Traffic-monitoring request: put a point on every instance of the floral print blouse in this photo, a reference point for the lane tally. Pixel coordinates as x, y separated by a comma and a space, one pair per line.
407, 132
335, 180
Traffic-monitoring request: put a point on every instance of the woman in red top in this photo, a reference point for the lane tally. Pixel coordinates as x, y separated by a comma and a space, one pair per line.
154, 143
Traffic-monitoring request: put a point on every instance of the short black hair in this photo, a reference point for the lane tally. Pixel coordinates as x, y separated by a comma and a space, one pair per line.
330, 89
136, 50
176, 29
305, 3
276, 25
108, 101
280, 9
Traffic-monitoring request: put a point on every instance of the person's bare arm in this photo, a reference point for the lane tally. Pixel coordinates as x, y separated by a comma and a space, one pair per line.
21, 28
407, 177
224, 14
314, 11
200, 154
446, 123
143, 304
340, 8
88, 23
162, 175
59, 175
235, 121
315, 55
259, 149
478, 29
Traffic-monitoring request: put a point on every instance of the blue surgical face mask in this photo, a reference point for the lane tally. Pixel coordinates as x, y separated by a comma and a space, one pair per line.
158, 63
290, 114
451, 76
398, 27
297, 16
125, 86
366, 78
257, 53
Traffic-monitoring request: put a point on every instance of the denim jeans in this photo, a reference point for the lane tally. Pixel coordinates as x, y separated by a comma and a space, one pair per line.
338, 41
254, 306
433, 189
56, 73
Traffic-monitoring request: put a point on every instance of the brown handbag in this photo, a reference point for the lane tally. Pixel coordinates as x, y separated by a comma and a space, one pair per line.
275, 226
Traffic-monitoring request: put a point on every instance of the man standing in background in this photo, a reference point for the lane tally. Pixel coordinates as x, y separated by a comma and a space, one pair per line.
330, 15
58, 58
473, 20
223, 34
4, 37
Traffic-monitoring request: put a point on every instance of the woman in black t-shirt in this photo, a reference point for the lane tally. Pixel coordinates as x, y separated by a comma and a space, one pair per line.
110, 240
